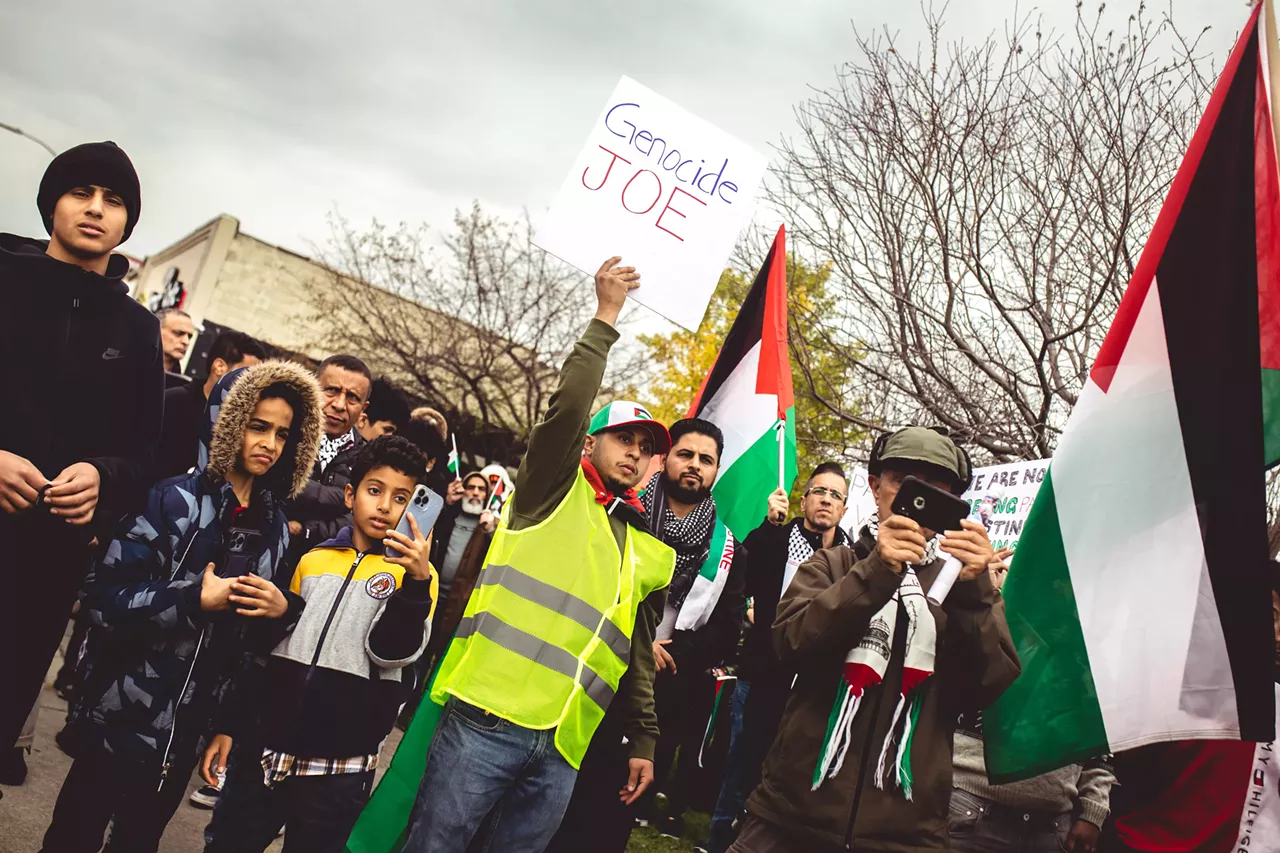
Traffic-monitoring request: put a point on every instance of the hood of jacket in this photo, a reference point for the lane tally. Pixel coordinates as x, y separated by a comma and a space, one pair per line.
230, 414
32, 253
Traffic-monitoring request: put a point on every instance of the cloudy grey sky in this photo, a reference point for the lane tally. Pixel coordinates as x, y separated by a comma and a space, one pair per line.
279, 112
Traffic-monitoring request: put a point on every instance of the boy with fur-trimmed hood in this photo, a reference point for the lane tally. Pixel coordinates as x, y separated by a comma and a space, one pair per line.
185, 590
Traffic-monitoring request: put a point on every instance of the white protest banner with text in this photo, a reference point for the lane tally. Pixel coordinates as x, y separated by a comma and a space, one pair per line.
664, 190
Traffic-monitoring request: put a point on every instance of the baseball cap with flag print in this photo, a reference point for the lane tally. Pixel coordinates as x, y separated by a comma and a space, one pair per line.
623, 413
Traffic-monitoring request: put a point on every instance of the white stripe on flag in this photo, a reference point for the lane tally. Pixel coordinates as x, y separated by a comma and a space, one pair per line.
742, 414
1138, 567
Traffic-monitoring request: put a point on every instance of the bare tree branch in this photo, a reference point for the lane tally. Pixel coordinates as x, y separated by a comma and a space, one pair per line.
983, 207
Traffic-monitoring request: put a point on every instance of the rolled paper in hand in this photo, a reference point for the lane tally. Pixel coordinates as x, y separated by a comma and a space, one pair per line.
981, 513
944, 581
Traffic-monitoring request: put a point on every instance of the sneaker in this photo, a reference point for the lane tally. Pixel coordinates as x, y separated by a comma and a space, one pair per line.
205, 798
13, 766
642, 823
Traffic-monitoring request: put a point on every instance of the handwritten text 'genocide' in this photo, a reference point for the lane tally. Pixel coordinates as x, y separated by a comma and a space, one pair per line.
649, 190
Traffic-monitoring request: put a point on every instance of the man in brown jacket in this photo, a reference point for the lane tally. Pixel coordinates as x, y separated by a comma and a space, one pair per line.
862, 760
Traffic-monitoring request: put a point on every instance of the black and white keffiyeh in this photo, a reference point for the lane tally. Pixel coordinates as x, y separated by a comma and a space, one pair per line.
331, 447
689, 537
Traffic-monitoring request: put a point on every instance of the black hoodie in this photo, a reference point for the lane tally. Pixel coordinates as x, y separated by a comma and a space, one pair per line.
81, 372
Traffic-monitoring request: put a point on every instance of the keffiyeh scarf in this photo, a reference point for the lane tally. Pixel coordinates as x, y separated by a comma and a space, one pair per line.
864, 668
689, 537
331, 447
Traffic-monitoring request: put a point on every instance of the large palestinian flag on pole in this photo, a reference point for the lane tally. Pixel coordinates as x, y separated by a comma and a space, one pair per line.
747, 393
1139, 594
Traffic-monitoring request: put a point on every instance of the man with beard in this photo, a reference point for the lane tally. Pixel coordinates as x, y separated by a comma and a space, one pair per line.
699, 629
776, 550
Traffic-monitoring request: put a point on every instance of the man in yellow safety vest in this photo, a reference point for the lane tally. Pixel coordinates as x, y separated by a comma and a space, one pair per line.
561, 622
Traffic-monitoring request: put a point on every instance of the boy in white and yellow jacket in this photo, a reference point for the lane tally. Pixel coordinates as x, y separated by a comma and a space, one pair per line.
332, 689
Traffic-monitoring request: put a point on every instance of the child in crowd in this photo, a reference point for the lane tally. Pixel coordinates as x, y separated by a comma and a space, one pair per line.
173, 614
334, 686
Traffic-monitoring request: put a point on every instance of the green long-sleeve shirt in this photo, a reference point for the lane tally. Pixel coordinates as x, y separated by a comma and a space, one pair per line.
546, 474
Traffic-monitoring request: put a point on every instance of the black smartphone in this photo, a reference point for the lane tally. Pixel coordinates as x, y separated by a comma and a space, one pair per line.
932, 508
242, 552
243, 547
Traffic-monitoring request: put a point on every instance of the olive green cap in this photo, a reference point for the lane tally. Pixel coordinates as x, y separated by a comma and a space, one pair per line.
923, 445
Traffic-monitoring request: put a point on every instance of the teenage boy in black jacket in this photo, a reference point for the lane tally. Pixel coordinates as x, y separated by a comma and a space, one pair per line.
80, 365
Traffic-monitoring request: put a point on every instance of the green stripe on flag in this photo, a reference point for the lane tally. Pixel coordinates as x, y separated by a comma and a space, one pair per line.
1049, 717
711, 565
1271, 415
384, 824
742, 492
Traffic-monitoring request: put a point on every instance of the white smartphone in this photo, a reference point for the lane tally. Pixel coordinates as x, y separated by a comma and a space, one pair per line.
424, 506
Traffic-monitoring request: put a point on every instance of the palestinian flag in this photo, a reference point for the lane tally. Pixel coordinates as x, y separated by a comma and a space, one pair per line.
454, 466
1139, 595
747, 393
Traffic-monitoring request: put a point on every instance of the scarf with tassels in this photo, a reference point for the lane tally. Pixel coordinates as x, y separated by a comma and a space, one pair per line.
864, 668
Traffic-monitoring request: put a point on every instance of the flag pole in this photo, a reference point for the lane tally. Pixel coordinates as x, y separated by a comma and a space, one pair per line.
782, 454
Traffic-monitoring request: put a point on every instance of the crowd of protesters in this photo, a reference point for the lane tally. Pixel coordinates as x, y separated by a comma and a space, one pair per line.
248, 606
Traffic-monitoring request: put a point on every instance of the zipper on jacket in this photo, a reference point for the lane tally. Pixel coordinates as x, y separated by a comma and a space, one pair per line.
328, 622
173, 724
862, 767
173, 727
71, 318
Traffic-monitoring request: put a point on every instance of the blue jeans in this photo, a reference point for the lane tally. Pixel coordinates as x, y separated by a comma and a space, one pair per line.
734, 790
978, 825
480, 763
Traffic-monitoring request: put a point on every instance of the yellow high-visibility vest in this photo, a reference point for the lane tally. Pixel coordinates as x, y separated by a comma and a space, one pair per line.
546, 635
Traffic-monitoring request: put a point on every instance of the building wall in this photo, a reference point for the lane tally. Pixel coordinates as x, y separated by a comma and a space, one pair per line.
263, 290
236, 280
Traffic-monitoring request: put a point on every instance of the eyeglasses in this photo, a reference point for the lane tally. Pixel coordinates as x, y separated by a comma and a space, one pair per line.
820, 491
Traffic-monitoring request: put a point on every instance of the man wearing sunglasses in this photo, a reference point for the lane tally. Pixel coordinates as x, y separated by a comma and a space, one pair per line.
774, 551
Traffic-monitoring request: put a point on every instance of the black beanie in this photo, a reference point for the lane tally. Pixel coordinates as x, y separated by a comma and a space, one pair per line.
100, 164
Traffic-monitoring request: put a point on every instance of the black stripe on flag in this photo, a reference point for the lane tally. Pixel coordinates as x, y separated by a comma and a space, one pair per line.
744, 334
1208, 285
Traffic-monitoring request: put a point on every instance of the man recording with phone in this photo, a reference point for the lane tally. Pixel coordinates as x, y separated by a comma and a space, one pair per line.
863, 756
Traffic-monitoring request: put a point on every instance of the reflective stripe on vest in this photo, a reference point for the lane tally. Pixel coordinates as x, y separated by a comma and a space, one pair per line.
564, 603
526, 645
546, 635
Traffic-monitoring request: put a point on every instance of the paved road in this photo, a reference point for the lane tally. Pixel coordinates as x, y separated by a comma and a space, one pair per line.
25, 810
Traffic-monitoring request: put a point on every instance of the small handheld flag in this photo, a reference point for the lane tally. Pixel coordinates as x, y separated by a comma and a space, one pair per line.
454, 465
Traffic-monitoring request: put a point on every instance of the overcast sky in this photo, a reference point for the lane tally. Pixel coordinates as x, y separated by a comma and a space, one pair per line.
279, 112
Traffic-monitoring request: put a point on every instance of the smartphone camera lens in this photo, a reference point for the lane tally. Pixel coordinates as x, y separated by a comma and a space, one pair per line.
919, 502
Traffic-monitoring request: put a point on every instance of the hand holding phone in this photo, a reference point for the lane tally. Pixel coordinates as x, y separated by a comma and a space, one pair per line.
415, 525
899, 541
934, 509
413, 552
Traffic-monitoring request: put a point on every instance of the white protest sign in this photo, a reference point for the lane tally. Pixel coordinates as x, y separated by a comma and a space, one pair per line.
1014, 488
1011, 490
662, 189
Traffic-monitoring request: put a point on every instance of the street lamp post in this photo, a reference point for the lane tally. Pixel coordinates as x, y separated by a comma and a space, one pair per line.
20, 132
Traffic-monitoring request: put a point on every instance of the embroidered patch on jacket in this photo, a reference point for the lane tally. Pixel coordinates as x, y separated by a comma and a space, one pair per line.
381, 585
